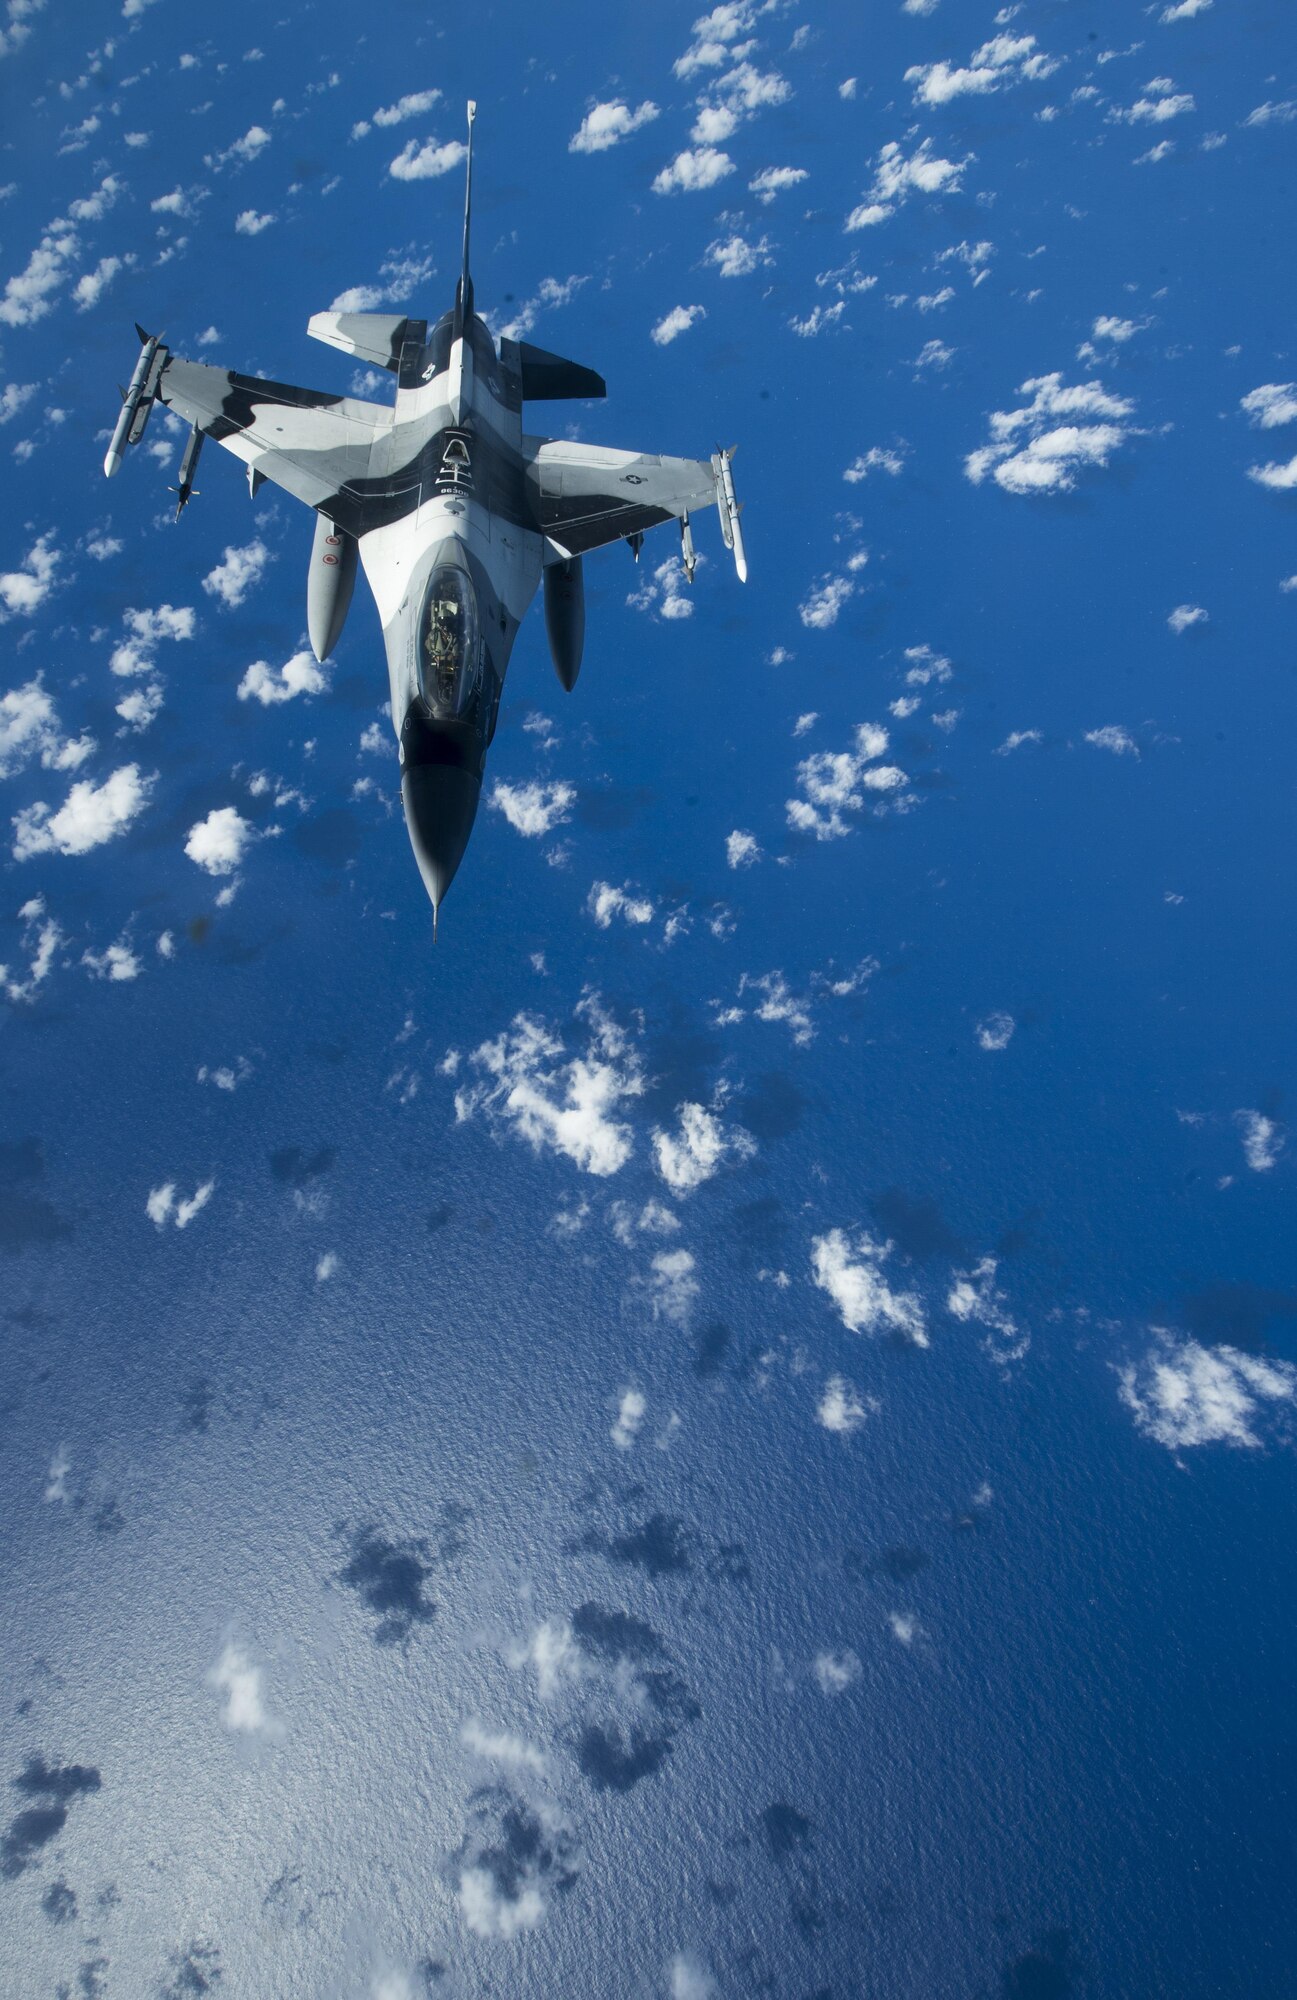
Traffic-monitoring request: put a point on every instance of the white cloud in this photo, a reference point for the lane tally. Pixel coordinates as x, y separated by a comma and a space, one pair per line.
534, 809
117, 963
850, 1271
29, 295
1109, 327
692, 1155
896, 179
840, 1409
91, 285
630, 1415
326, 1266
1279, 479
41, 938
673, 1287
218, 842
715, 34
772, 181
270, 685
1040, 447
553, 1652
236, 573
501, 1746
89, 816
995, 1031
1274, 403
249, 223
564, 1105
1263, 1141
25, 590
1183, 1394
934, 354
677, 321
1273, 114
427, 162
489, 1913
733, 98
549, 294
56, 1479
836, 782
1183, 10
877, 459
29, 729
820, 609
254, 141
920, 7
688, 1980
778, 1005
162, 1206
691, 171
606, 125
741, 849
735, 257
665, 591
235, 1677
605, 902
413, 105
904, 1626
1005, 59
974, 1295
1186, 615
1161, 103
835, 1672
817, 319
1113, 737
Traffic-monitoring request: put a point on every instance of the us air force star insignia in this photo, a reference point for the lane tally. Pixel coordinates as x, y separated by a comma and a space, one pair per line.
632, 479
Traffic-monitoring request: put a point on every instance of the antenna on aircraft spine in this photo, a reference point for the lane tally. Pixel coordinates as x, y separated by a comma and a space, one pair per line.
464, 296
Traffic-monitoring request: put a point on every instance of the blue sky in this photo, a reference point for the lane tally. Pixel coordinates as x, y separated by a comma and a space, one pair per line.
782, 1326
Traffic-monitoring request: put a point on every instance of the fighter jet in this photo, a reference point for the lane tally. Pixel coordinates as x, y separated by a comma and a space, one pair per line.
455, 513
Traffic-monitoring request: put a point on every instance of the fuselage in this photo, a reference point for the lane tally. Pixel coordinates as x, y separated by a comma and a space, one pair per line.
460, 510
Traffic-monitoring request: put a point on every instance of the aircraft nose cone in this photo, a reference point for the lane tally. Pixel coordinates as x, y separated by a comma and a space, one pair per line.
440, 807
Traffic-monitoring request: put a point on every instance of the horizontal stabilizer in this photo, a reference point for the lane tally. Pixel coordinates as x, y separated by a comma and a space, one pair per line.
374, 337
547, 378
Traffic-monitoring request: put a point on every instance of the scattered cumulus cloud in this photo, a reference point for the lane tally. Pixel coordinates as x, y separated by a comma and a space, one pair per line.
741, 849
1186, 615
840, 1409
820, 609
896, 178
1183, 10
90, 816
162, 1206
1183, 1394
236, 573
528, 1085
630, 1415
30, 733
772, 181
274, 685
677, 321
1263, 1140
415, 104
849, 1269
835, 783
736, 257
606, 125
672, 1286
836, 1672
1040, 447
534, 809
1160, 103
24, 590
697, 1149
693, 170
249, 223
975, 1296
879, 458
665, 591
1004, 60
218, 843
427, 162
236, 1678
995, 1031
1113, 737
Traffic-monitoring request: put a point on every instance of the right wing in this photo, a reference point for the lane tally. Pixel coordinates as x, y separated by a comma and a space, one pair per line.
584, 496
314, 444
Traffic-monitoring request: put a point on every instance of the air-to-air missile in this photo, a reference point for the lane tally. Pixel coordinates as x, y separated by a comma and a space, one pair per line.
137, 400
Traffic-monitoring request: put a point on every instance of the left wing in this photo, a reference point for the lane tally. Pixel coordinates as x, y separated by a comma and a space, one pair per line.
313, 443
584, 496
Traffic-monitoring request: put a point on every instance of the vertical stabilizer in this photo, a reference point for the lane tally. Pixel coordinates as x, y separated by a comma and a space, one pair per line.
464, 295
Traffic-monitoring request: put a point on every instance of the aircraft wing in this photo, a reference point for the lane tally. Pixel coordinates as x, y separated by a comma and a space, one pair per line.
313, 443
584, 496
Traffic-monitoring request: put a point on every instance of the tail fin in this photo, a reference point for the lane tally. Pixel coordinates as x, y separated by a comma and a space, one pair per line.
464, 295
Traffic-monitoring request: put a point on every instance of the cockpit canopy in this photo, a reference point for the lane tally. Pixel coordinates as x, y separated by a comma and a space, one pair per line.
449, 645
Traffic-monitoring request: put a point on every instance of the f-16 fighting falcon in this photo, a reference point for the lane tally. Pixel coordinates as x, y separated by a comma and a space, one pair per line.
452, 510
